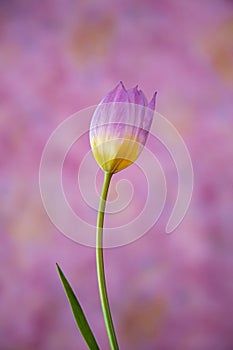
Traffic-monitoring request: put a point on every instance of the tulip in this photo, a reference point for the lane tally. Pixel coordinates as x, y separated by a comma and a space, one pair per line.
120, 127
118, 132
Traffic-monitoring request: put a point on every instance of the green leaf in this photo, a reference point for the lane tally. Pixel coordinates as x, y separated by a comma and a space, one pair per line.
78, 313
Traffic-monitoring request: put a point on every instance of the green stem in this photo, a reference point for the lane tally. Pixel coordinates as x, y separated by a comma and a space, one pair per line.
100, 265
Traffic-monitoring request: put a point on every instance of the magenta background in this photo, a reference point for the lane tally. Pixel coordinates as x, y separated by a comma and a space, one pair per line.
57, 57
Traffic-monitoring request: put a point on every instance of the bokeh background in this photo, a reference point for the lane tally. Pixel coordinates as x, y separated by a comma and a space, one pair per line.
57, 57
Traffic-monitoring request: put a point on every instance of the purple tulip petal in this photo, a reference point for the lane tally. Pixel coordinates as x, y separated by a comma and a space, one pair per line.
133, 95
118, 94
143, 98
151, 105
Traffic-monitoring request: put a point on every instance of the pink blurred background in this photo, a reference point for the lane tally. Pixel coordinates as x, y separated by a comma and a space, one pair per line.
57, 57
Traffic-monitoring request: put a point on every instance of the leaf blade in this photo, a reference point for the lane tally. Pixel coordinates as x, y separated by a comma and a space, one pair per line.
78, 313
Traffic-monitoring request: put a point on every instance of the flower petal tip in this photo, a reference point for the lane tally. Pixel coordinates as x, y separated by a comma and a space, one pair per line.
151, 104
122, 85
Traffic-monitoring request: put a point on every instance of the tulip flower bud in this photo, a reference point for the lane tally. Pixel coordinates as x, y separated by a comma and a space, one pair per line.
120, 127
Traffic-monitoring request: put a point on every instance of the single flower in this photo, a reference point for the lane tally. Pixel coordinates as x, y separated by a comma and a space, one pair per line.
118, 133
120, 127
